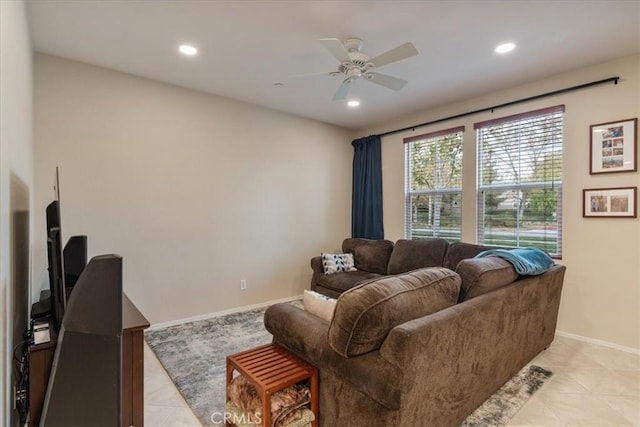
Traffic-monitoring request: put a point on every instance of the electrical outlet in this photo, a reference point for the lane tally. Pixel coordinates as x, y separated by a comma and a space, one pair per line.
243, 285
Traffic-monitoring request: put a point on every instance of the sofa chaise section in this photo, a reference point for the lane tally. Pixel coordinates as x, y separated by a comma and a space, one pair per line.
436, 369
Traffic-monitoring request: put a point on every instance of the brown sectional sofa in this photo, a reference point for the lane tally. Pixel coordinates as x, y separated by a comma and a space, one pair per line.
425, 347
377, 258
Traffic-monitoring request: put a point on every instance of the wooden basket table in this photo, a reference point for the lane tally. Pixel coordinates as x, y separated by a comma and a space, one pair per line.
271, 368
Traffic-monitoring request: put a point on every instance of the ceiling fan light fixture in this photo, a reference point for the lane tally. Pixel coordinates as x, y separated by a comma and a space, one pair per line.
504, 48
187, 49
354, 73
353, 103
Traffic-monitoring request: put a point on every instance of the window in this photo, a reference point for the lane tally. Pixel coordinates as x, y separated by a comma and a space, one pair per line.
520, 180
433, 196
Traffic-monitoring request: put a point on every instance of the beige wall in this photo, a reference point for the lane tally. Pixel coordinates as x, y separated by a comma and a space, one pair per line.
195, 191
601, 297
16, 160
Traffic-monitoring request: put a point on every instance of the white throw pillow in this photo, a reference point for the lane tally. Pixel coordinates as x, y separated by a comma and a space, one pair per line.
319, 305
334, 263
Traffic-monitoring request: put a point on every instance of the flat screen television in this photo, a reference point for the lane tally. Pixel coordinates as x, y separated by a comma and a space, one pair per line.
64, 266
53, 305
58, 298
74, 255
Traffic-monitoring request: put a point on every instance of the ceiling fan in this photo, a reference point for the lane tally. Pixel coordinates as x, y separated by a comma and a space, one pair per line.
355, 65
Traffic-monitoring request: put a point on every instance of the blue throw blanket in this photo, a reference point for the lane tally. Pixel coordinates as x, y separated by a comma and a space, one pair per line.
526, 261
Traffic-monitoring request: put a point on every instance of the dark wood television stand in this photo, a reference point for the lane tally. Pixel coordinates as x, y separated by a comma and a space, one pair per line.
133, 325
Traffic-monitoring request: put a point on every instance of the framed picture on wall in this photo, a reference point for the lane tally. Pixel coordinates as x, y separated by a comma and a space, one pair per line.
609, 202
614, 147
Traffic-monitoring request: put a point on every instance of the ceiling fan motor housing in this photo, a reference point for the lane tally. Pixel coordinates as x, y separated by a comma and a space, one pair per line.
359, 65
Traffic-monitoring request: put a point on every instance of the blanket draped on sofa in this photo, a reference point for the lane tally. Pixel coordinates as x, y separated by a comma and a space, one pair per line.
526, 261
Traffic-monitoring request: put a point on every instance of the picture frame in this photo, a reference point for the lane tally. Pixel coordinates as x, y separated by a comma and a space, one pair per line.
610, 202
614, 147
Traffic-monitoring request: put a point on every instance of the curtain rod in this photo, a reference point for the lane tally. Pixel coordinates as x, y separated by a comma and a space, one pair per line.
506, 104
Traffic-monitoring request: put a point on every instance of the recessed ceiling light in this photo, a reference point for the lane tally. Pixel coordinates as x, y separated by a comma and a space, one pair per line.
353, 103
505, 47
188, 49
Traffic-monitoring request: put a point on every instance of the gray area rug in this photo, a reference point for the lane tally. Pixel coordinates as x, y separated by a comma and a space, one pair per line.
194, 355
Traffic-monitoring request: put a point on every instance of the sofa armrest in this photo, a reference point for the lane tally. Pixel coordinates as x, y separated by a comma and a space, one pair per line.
318, 271
295, 328
316, 265
305, 335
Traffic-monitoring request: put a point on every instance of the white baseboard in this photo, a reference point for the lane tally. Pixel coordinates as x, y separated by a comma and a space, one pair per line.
221, 313
599, 342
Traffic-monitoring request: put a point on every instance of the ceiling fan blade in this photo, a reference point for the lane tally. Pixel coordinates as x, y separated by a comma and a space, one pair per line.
337, 49
388, 81
342, 91
399, 53
330, 73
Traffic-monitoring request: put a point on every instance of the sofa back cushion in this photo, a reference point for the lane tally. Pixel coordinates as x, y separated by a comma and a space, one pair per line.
369, 255
482, 275
364, 315
458, 251
410, 255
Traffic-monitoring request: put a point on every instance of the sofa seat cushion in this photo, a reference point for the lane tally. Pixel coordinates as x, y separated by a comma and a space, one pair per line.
411, 255
345, 280
369, 255
482, 275
365, 314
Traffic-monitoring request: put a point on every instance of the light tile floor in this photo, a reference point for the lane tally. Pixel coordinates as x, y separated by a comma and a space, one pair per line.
591, 386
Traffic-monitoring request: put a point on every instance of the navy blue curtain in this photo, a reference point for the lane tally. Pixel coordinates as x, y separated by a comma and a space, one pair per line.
366, 200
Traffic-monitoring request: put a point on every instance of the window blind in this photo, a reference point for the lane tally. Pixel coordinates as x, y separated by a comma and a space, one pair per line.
520, 180
433, 183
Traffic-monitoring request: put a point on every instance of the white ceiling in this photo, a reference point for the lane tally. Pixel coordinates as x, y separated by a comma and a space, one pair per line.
248, 45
